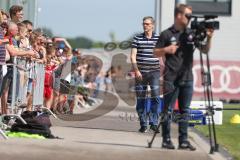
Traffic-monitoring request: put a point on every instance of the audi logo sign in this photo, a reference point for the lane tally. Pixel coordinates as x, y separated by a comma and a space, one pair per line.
225, 78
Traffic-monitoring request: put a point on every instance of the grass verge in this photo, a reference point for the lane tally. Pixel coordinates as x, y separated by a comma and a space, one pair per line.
228, 135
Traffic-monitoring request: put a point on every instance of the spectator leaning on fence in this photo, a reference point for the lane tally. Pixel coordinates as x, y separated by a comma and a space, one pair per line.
65, 82
13, 50
40, 57
72, 97
48, 82
23, 41
108, 81
29, 26
16, 13
5, 17
37, 43
2, 54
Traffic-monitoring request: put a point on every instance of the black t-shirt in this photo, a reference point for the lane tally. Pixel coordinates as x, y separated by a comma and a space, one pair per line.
178, 66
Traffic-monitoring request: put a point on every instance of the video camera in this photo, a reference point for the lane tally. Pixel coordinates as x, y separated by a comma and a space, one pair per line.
200, 27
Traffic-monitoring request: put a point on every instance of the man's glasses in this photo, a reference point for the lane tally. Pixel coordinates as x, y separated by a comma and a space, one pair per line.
147, 24
188, 16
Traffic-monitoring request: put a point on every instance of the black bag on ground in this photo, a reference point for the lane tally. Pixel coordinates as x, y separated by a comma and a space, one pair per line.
37, 118
29, 114
43, 119
32, 128
37, 123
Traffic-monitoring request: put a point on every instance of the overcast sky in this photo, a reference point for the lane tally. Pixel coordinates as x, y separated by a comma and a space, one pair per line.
94, 18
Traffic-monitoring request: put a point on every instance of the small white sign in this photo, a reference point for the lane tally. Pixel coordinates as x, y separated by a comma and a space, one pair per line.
218, 116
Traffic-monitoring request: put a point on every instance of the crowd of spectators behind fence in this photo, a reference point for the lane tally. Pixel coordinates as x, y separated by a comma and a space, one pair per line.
19, 38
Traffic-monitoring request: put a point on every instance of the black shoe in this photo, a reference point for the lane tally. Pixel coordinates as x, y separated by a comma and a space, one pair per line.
186, 145
154, 128
143, 129
168, 144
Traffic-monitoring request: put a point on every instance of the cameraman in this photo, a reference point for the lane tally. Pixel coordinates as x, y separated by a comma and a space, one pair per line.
176, 44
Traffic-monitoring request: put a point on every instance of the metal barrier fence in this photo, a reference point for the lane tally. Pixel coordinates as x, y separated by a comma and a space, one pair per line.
20, 83
33, 70
38, 84
24, 69
18, 90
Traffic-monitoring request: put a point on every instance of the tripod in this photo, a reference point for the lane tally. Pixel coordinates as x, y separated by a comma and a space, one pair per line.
208, 98
162, 119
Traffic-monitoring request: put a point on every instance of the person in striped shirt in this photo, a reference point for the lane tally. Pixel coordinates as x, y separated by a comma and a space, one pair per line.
147, 73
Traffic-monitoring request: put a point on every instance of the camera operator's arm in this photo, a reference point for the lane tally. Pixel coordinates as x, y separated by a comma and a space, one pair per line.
160, 52
162, 48
206, 47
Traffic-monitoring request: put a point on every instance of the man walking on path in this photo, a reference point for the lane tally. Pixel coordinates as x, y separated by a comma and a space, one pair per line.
147, 72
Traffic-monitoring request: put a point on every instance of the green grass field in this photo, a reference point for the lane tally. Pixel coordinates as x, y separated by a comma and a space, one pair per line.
228, 135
